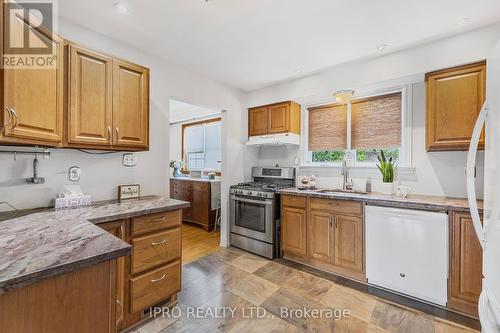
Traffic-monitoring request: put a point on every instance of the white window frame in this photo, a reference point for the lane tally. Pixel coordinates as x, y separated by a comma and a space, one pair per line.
204, 125
406, 150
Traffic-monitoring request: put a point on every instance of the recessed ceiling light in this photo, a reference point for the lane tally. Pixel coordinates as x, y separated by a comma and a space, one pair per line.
121, 7
382, 47
463, 20
298, 71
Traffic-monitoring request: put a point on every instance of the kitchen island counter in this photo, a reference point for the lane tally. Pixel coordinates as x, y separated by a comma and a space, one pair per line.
48, 243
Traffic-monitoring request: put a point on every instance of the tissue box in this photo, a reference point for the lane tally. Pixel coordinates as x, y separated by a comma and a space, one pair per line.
73, 201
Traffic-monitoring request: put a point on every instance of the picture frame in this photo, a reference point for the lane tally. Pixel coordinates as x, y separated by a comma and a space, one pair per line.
131, 191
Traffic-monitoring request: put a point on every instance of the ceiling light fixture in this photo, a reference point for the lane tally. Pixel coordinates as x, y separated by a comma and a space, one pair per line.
463, 20
344, 96
121, 7
298, 71
382, 47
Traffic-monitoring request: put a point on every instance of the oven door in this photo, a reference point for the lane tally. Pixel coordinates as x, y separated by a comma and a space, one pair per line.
252, 217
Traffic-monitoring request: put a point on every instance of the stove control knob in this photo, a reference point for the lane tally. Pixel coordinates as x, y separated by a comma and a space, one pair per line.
249, 192
259, 194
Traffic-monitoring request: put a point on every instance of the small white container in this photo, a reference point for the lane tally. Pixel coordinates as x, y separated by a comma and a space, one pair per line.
387, 188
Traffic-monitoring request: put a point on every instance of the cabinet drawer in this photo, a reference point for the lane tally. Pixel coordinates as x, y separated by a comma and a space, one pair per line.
182, 184
200, 186
154, 250
154, 222
338, 206
153, 287
293, 201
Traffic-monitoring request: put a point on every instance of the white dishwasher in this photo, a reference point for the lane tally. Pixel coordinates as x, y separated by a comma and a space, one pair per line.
407, 251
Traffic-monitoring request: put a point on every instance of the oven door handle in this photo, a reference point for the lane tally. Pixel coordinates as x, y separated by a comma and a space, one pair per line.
265, 202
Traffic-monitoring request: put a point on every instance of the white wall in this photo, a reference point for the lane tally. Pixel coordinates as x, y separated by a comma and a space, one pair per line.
102, 174
437, 173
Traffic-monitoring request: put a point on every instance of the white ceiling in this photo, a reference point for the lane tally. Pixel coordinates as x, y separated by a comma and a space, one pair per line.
180, 111
254, 43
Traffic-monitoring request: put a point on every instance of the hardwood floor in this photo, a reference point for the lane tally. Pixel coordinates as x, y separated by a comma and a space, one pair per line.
258, 290
197, 243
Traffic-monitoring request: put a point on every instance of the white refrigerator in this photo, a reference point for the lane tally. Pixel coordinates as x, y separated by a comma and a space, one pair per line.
488, 232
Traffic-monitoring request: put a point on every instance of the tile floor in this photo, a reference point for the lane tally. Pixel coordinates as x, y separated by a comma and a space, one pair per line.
272, 290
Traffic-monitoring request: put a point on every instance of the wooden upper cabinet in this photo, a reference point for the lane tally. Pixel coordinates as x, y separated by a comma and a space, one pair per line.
349, 242
32, 109
278, 118
320, 236
465, 282
130, 105
257, 121
90, 97
275, 118
454, 99
293, 231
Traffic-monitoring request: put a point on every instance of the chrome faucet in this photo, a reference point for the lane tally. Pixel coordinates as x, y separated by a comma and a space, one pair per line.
346, 184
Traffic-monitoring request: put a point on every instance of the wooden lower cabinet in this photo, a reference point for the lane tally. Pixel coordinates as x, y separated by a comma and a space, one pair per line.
152, 273
325, 233
349, 242
117, 228
465, 281
293, 231
321, 242
81, 301
199, 194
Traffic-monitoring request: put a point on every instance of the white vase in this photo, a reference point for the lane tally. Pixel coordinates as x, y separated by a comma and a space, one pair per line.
387, 188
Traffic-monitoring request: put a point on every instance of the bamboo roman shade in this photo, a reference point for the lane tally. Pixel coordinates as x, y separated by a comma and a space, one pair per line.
327, 127
376, 122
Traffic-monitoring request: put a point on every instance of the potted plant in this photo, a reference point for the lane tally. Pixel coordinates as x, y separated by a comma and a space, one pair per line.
176, 165
387, 168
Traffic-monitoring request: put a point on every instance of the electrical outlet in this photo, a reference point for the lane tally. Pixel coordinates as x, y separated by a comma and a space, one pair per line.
129, 160
74, 174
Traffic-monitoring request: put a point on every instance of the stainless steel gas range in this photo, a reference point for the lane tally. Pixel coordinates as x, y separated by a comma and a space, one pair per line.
255, 210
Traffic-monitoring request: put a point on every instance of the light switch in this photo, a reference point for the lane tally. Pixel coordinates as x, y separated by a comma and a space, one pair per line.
129, 160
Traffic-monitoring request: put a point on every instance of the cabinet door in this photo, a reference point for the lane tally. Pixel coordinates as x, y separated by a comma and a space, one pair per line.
279, 118
320, 236
465, 265
349, 242
34, 96
257, 121
200, 207
293, 231
117, 228
454, 99
90, 97
130, 105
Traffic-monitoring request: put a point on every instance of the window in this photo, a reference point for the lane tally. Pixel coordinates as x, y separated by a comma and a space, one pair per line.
202, 145
365, 127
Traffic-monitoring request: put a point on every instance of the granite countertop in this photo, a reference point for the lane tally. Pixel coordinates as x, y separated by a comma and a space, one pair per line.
423, 202
47, 242
216, 180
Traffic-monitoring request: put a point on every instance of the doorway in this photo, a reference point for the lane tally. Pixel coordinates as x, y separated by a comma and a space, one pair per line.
195, 155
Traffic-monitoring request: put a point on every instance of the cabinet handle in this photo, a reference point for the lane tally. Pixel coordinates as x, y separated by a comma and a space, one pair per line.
159, 243
156, 280
331, 223
333, 203
117, 133
10, 119
121, 309
336, 224
109, 132
159, 220
16, 119
122, 230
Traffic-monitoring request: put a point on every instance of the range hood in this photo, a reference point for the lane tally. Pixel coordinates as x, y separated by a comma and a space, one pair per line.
282, 139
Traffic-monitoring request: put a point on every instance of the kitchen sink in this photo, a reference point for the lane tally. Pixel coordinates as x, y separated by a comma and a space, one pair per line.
337, 191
